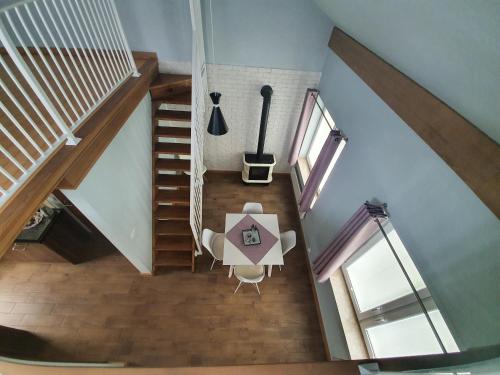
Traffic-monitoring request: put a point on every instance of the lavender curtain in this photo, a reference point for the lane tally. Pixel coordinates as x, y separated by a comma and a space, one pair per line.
358, 229
319, 169
305, 116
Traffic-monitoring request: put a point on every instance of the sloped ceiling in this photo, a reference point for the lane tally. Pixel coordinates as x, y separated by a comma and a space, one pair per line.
450, 47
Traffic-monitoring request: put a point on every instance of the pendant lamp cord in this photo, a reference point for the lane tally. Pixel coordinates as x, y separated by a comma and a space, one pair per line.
212, 26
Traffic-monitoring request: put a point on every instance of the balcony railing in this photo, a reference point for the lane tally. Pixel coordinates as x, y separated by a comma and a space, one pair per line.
60, 60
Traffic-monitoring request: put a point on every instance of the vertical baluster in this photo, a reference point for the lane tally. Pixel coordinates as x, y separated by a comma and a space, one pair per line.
116, 31
56, 62
17, 144
101, 81
96, 33
27, 97
8, 175
110, 38
24, 113
12, 159
19, 127
124, 38
105, 40
88, 94
76, 46
91, 38
37, 67
37, 89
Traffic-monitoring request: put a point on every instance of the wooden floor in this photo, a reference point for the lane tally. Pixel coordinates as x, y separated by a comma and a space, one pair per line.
106, 311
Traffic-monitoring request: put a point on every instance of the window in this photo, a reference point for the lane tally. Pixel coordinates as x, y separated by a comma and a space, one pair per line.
318, 129
390, 317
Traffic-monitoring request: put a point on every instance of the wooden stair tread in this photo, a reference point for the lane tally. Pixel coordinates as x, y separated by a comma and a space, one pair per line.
173, 259
172, 148
171, 115
173, 243
172, 235
163, 80
183, 98
172, 212
173, 164
173, 180
172, 132
173, 227
180, 196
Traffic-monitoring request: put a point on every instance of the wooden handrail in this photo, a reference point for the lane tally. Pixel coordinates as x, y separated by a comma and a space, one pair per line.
96, 133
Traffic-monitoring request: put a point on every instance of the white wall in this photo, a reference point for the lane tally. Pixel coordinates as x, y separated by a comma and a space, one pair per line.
241, 105
285, 34
451, 236
161, 26
116, 194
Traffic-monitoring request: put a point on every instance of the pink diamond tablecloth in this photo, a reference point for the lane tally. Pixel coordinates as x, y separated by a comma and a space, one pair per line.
253, 252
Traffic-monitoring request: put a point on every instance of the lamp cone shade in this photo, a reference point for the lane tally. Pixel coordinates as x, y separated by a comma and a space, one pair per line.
217, 124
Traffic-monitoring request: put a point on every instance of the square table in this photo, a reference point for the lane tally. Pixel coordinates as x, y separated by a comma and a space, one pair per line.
268, 253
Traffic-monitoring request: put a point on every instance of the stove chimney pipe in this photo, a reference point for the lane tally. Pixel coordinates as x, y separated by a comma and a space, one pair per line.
266, 93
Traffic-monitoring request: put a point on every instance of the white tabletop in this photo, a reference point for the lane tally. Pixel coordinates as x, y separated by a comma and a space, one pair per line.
234, 257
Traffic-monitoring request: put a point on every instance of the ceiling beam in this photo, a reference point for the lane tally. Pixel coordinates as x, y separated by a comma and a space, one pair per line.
472, 155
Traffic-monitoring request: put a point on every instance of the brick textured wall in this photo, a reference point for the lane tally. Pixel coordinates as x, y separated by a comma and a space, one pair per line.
241, 105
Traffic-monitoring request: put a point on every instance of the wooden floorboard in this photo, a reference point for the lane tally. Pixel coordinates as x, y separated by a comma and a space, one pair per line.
106, 311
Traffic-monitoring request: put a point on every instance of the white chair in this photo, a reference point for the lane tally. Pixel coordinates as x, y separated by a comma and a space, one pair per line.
252, 208
250, 275
214, 243
288, 241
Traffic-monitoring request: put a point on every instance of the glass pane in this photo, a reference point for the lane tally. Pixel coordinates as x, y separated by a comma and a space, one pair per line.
403, 255
375, 276
318, 142
408, 336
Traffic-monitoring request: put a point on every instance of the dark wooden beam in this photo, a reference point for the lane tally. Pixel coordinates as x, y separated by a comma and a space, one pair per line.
472, 155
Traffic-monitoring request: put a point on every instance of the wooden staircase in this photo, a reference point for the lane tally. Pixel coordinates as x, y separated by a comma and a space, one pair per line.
173, 243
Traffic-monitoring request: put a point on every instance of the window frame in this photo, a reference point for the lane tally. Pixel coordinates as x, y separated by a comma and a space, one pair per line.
400, 308
303, 168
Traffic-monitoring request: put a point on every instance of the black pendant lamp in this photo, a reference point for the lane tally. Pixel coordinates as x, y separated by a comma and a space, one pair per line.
217, 124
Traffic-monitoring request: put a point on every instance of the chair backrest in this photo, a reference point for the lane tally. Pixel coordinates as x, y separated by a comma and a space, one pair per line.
207, 237
252, 208
288, 240
249, 273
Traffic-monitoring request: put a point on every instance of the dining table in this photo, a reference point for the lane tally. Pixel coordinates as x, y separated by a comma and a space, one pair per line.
267, 252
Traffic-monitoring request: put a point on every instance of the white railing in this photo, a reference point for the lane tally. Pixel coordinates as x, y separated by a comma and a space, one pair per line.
60, 60
199, 93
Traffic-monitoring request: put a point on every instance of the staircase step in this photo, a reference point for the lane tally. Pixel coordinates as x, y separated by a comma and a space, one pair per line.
173, 238
173, 259
173, 165
172, 132
180, 196
172, 148
173, 180
170, 115
172, 213
173, 243
168, 84
173, 227
183, 98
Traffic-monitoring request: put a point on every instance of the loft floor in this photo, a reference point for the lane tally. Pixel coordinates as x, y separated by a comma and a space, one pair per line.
106, 311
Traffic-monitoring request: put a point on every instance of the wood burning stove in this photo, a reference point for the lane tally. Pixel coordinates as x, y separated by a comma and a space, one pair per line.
258, 167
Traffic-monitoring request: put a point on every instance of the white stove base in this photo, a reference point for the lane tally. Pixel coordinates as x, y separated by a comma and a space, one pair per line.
245, 174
